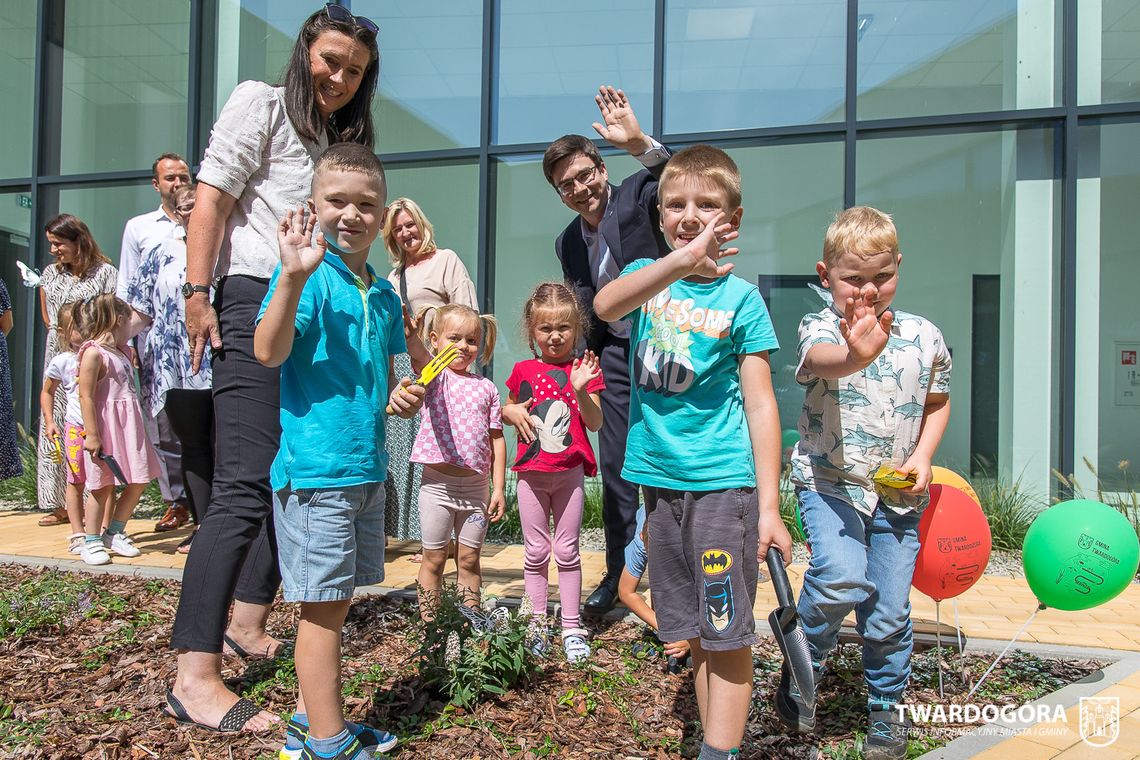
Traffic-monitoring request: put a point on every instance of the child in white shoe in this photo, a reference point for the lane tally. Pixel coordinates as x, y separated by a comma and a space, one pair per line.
63, 370
114, 433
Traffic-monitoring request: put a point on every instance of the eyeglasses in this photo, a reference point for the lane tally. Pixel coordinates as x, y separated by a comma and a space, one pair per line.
344, 15
585, 177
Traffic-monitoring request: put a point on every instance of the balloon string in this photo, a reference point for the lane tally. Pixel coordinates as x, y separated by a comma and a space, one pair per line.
961, 649
938, 643
993, 664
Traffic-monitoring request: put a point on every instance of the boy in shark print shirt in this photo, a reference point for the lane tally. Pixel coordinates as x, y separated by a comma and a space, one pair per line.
877, 383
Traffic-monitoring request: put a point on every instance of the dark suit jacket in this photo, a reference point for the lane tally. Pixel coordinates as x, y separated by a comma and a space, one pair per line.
632, 230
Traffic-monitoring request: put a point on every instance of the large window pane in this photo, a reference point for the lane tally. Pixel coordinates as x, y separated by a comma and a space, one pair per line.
956, 56
254, 40
1108, 53
790, 193
125, 66
759, 63
976, 215
1107, 413
15, 232
554, 56
449, 197
432, 67
17, 78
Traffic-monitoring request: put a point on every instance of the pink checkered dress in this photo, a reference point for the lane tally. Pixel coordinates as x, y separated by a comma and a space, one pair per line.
458, 414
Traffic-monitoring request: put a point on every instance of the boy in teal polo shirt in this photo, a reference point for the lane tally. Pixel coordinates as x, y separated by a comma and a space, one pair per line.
704, 434
332, 326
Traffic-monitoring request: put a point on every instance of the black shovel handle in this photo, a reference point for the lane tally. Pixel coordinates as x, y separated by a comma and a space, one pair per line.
780, 578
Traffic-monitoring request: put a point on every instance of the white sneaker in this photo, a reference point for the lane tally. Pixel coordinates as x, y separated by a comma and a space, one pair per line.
574, 642
121, 544
94, 553
75, 543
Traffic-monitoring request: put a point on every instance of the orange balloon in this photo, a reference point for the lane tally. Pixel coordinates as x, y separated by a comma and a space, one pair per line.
954, 544
945, 477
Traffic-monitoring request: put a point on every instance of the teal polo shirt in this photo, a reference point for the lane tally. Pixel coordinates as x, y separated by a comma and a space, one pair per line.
334, 385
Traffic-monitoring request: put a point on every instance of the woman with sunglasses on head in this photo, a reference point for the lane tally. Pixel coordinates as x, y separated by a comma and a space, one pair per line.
423, 275
258, 165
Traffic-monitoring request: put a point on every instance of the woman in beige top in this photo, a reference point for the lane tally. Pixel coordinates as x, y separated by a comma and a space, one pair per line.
424, 275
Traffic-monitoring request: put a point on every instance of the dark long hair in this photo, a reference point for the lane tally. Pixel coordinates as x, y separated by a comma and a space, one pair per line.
74, 229
353, 122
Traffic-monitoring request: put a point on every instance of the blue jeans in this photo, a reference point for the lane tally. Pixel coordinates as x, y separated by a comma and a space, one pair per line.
864, 564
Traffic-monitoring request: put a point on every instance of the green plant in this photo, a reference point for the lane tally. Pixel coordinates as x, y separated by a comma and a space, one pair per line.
467, 654
19, 732
1125, 499
54, 600
580, 699
22, 489
1009, 509
789, 507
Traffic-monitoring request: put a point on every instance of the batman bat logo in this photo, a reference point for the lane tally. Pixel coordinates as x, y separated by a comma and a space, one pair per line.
716, 561
719, 608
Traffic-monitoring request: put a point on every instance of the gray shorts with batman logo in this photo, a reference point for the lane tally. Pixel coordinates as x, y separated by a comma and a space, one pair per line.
702, 564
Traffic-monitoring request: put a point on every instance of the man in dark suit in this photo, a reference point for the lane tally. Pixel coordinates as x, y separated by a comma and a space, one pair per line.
616, 224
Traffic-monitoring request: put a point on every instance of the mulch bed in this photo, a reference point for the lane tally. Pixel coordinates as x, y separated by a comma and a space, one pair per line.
85, 666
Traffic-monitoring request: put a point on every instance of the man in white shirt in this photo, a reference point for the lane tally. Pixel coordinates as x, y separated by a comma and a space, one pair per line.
141, 234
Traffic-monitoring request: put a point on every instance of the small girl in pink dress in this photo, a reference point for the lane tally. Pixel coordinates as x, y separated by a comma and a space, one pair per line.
459, 444
113, 421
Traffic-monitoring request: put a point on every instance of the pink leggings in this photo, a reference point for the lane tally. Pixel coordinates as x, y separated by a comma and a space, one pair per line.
541, 495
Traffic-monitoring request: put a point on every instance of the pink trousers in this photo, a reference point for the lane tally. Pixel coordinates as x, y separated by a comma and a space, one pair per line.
561, 496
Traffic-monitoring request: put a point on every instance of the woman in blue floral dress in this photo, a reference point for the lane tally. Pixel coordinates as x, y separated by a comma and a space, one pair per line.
155, 293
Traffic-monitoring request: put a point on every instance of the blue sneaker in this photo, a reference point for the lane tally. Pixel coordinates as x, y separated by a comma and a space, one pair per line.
370, 738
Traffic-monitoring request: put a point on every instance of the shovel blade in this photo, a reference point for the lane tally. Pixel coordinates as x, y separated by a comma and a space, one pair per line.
794, 646
790, 636
114, 467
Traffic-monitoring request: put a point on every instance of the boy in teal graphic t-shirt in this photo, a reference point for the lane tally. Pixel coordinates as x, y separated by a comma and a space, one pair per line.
704, 434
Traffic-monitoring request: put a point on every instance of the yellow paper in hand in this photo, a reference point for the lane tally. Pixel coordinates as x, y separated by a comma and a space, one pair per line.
889, 477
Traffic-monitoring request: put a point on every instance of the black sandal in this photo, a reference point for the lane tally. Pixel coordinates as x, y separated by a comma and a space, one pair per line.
245, 654
232, 722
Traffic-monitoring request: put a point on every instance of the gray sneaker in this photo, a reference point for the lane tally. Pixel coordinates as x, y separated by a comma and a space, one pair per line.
887, 733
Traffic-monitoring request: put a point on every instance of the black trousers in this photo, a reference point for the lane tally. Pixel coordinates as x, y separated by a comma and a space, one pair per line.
234, 555
619, 498
191, 415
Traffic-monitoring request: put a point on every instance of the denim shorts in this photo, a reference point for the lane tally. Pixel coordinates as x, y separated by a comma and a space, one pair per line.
329, 541
702, 564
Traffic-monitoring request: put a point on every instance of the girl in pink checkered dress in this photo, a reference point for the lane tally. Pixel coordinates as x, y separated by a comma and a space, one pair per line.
460, 444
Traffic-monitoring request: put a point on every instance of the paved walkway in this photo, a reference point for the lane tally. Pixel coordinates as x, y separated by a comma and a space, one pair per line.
994, 609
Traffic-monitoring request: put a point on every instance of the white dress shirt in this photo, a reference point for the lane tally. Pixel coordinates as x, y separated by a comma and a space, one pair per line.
141, 234
603, 268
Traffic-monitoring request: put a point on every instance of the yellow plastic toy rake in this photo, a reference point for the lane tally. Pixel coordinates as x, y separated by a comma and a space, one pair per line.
438, 364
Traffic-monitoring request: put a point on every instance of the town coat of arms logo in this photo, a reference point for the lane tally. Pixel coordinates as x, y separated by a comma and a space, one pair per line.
1100, 720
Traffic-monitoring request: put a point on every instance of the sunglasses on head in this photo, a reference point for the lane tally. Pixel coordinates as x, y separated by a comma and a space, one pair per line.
344, 15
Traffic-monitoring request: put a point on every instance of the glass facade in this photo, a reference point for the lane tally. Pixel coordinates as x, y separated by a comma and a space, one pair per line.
1108, 322
125, 71
999, 133
742, 65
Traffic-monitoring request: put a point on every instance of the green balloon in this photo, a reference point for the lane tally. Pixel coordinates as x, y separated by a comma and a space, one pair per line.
790, 437
1079, 554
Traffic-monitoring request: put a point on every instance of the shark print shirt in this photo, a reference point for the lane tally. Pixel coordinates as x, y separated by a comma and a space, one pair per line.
852, 425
